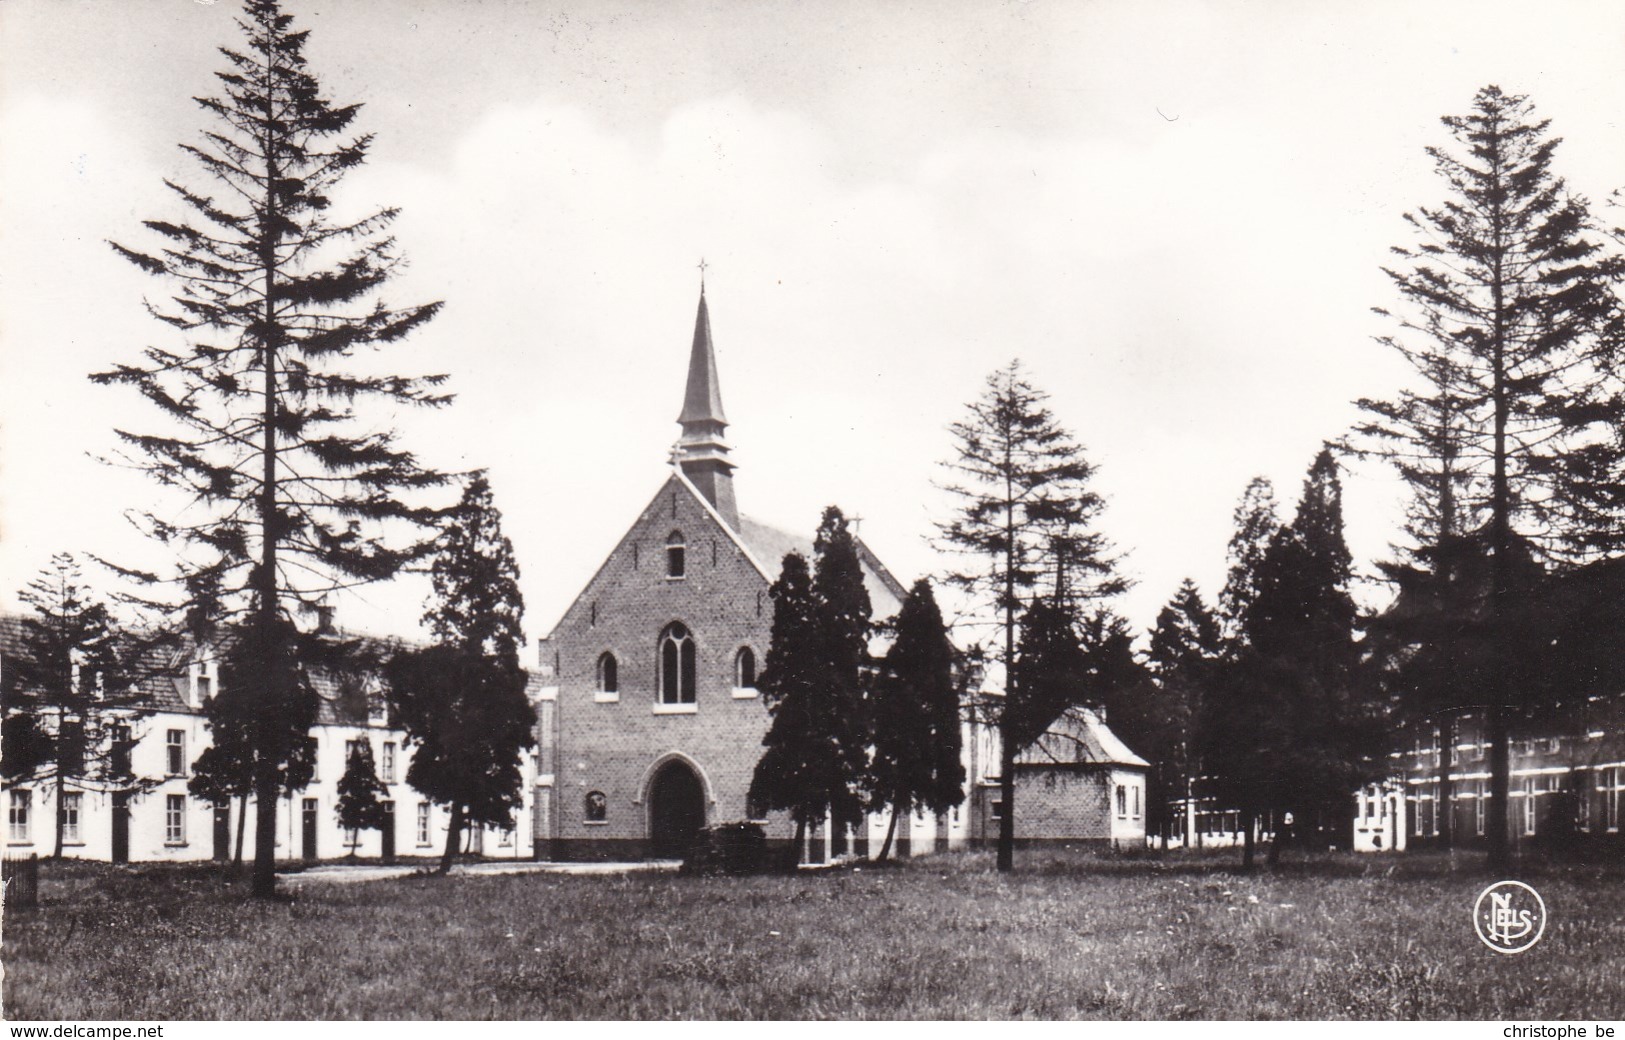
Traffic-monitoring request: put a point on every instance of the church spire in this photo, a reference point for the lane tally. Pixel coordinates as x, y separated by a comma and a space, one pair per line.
702, 449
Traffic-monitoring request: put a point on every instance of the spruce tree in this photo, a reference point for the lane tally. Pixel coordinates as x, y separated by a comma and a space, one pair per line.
1510, 305
1025, 512
1184, 646
288, 486
462, 701
914, 708
361, 794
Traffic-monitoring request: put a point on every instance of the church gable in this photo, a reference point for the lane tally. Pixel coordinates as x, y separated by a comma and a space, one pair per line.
676, 552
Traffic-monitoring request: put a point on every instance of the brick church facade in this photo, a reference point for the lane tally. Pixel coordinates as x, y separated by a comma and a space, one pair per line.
649, 720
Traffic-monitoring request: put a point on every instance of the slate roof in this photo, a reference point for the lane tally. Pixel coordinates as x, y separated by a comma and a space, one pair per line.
769, 545
1080, 737
161, 676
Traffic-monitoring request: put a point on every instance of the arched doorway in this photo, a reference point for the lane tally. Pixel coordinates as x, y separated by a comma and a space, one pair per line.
676, 809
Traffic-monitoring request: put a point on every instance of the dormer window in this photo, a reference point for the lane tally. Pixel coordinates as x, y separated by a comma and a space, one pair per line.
200, 678
676, 555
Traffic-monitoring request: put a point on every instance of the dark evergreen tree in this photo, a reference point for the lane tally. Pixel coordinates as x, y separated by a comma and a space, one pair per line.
844, 626
1256, 525
462, 701
1053, 673
65, 692
246, 741
361, 794
1511, 308
914, 708
1299, 727
1185, 645
815, 752
1025, 513
289, 490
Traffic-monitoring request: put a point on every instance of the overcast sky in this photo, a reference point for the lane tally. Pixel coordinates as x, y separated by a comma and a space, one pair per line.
1174, 214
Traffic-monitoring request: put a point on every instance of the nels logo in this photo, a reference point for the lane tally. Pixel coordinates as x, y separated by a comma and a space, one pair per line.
1509, 917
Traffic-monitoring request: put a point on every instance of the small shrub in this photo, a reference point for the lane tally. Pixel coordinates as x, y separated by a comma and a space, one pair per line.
728, 848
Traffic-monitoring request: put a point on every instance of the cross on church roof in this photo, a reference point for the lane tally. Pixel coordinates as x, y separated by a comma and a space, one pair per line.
702, 265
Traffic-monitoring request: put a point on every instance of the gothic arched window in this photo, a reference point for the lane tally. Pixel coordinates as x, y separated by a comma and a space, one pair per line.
745, 668
676, 555
609, 680
676, 665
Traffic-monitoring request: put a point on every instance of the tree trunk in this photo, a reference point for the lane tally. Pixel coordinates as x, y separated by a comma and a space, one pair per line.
1247, 821
242, 820
799, 849
1007, 754
1277, 841
61, 810
265, 796
891, 828
454, 836
265, 579
1007, 794
1500, 546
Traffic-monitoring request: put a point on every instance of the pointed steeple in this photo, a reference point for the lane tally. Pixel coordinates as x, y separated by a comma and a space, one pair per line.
702, 449
702, 402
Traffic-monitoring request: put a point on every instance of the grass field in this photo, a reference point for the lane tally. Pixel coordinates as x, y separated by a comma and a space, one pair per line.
943, 937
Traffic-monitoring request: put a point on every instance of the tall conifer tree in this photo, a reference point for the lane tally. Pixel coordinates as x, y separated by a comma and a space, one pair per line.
1025, 512
1511, 309
462, 701
814, 750
266, 430
914, 708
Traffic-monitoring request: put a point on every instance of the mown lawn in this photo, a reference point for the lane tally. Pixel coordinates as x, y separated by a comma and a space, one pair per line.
944, 937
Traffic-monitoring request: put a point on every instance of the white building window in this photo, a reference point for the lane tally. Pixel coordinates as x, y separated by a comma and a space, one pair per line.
505, 838
72, 802
423, 823
1122, 801
1610, 776
1530, 804
1479, 804
1135, 800
175, 753
175, 819
17, 816
387, 766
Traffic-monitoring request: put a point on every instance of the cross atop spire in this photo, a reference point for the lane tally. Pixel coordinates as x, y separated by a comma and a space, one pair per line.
702, 449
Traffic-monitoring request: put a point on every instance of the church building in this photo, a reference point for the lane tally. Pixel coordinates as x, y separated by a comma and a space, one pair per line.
650, 723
